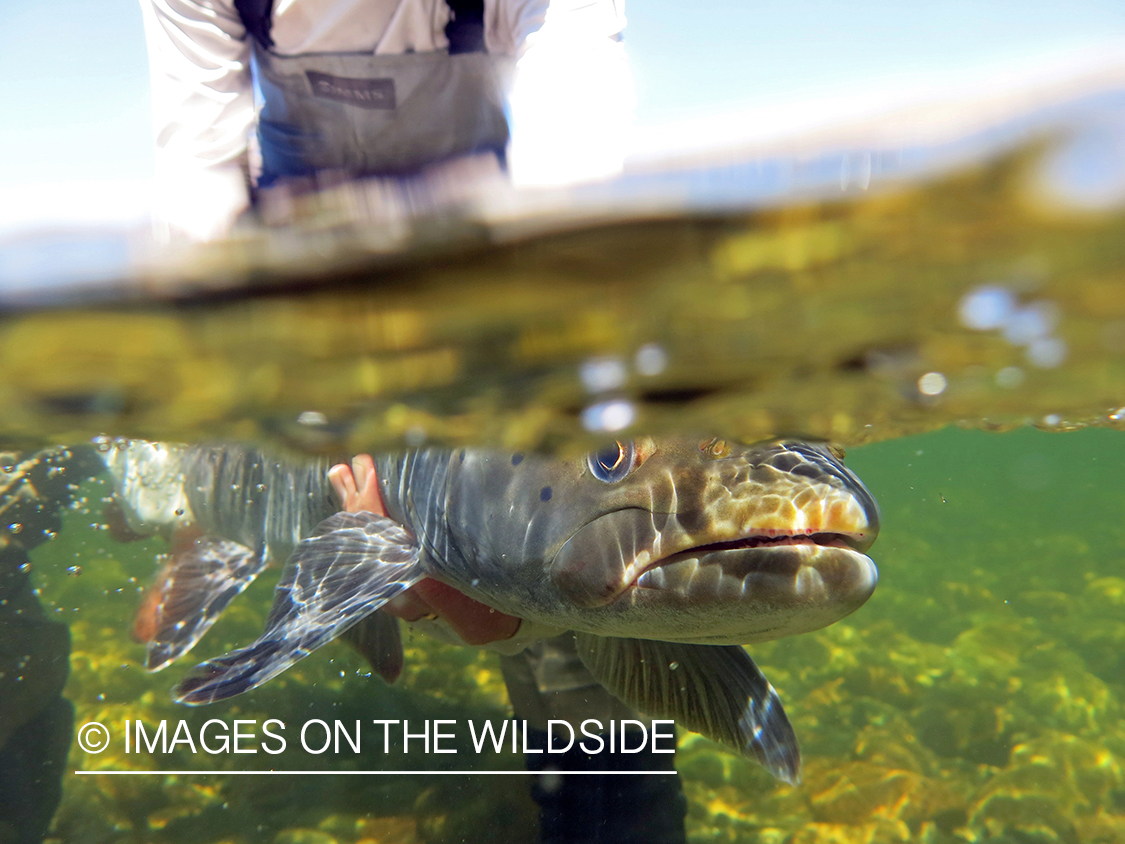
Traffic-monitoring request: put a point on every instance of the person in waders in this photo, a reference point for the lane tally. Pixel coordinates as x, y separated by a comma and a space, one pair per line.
250, 96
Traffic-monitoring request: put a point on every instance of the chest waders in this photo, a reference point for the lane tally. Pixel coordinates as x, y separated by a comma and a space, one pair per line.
368, 114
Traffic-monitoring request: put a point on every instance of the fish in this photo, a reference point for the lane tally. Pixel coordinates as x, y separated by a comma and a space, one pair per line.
227, 513
661, 556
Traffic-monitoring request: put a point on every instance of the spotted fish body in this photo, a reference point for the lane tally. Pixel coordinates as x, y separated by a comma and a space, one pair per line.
660, 555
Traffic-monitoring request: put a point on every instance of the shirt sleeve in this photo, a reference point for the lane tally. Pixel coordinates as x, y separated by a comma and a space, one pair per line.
203, 112
572, 99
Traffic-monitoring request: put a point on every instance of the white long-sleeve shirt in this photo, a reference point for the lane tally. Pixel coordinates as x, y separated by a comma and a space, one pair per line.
571, 101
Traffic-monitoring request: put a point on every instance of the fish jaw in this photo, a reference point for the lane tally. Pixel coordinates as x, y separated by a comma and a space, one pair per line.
798, 566
760, 593
761, 586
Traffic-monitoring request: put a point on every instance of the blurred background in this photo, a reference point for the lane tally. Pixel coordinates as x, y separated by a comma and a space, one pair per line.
75, 146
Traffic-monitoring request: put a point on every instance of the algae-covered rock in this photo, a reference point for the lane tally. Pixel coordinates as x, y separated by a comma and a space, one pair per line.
397, 829
894, 745
1050, 784
1107, 592
858, 793
1102, 827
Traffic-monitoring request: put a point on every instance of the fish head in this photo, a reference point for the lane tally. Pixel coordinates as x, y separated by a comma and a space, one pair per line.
708, 541
148, 482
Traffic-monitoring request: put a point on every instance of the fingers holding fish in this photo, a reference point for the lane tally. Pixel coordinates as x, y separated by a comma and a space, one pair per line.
357, 486
473, 622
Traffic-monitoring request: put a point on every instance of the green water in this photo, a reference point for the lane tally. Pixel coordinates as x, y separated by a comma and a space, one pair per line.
975, 697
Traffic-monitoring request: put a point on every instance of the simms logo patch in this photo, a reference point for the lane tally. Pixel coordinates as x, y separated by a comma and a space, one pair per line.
365, 93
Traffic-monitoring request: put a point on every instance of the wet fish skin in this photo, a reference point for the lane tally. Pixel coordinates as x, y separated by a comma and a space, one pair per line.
241, 494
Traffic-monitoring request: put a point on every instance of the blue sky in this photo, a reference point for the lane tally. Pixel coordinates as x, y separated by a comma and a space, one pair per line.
74, 102
693, 57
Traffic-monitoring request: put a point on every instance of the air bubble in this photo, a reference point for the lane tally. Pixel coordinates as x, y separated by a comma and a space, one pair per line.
1034, 322
312, 418
932, 384
601, 375
1010, 377
651, 359
611, 415
1047, 352
987, 307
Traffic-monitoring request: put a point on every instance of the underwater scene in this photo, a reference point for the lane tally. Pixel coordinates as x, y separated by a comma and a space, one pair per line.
955, 336
975, 697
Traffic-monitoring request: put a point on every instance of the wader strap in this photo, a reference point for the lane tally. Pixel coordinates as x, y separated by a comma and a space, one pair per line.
257, 17
465, 29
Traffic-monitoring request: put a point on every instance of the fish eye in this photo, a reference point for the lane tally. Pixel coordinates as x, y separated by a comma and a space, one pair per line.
612, 463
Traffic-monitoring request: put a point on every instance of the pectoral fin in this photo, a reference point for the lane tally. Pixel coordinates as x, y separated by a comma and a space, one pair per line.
352, 565
189, 594
378, 639
715, 690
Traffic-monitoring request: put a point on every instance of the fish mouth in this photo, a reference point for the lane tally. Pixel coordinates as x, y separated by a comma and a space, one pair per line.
760, 553
773, 538
772, 585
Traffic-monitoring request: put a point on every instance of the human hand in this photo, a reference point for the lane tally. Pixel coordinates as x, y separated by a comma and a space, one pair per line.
477, 624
